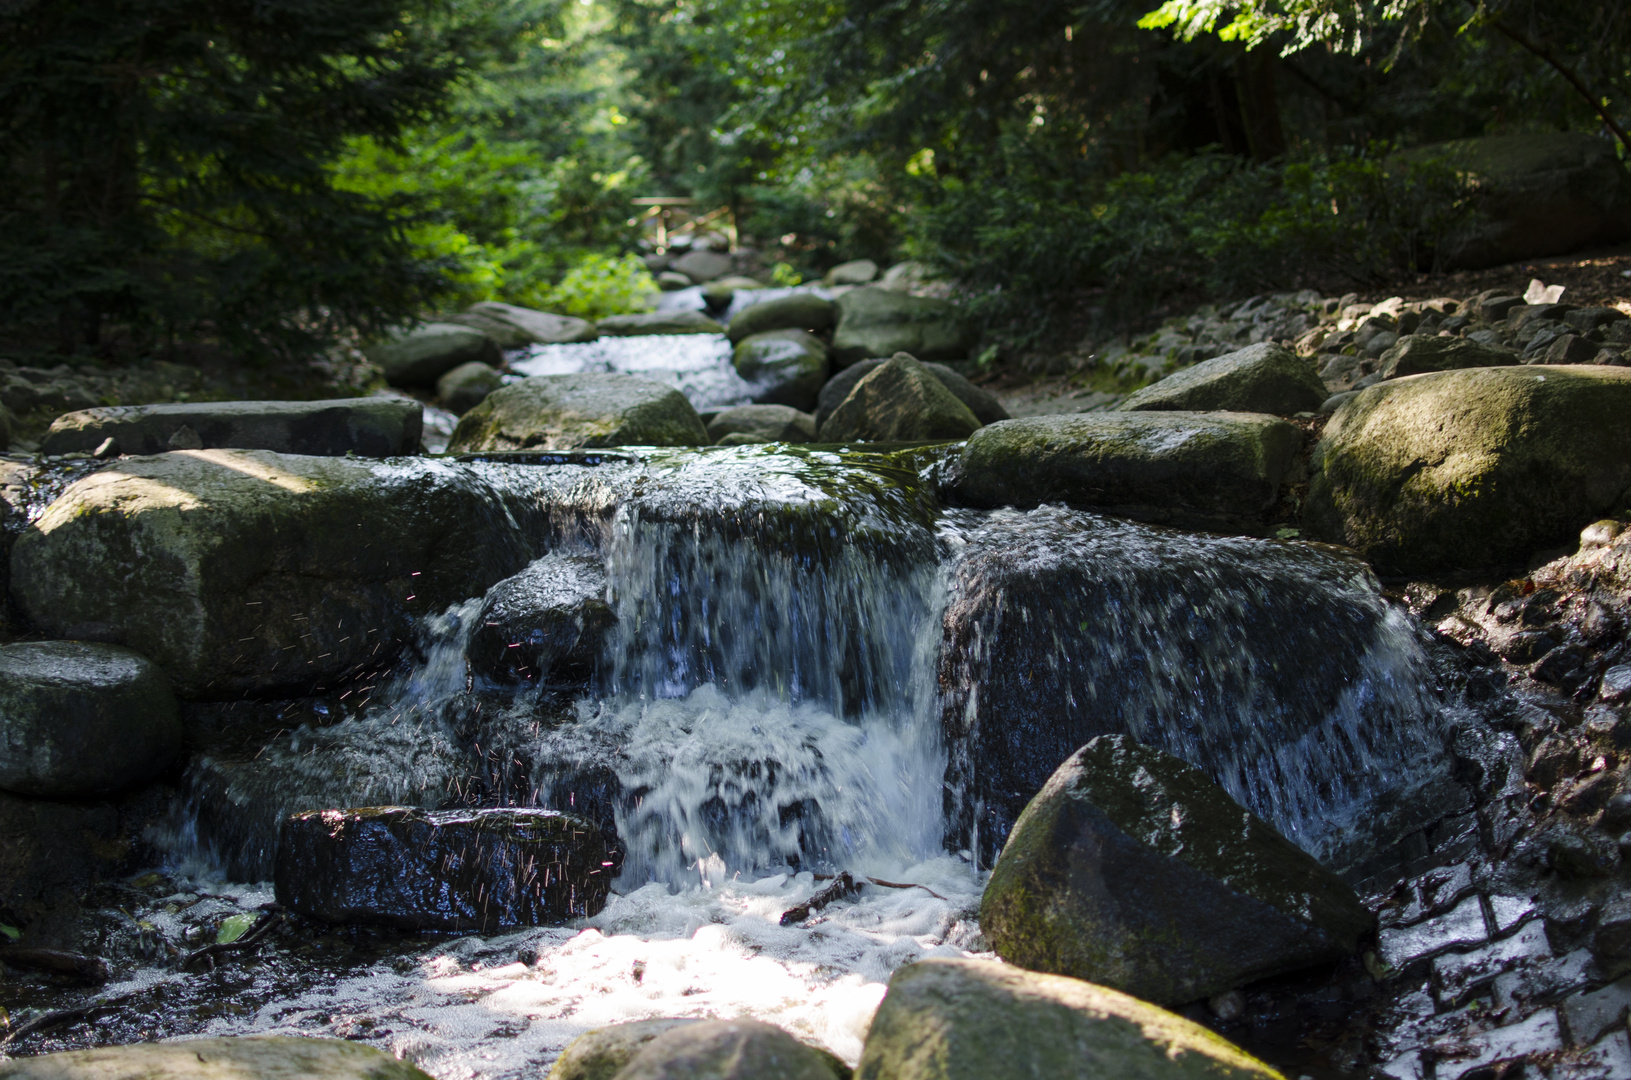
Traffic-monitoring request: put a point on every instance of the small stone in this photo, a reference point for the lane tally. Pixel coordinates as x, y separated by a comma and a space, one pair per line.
108, 447
467, 385
1616, 685
1579, 855
748, 424
1227, 1006
1571, 349
856, 272
900, 401
1589, 794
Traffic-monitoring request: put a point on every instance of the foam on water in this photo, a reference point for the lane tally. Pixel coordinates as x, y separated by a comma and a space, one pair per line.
697, 365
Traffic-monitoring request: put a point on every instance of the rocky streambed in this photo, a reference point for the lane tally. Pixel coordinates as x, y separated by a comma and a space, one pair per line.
1312, 732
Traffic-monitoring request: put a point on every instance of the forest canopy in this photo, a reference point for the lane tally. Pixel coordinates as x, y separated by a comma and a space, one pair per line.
275, 176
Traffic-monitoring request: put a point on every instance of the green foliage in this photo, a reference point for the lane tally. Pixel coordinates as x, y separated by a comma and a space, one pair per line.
598, 286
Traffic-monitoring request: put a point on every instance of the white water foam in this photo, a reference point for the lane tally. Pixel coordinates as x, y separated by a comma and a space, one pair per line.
698, 365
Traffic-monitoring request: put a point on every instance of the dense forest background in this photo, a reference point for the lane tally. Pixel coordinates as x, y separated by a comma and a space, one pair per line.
272, 177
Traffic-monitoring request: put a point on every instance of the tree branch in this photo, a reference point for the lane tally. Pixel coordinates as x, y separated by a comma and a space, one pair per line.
1523, 40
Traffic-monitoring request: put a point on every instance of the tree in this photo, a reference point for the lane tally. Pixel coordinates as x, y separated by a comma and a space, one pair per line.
166, 163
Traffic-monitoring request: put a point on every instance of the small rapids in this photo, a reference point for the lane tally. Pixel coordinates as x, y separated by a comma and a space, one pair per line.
697, 365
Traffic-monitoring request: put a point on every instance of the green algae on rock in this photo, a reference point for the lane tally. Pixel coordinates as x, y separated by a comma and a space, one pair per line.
730, 1050
1132, 869
1263, 378
979, 1020
874, 321
1473, 470
785, 367
899, 401
570, 412
599, 1053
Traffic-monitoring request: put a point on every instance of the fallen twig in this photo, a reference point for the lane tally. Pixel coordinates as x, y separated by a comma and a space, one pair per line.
889, 884
85, 970
251, 939
65, 1016
843, 886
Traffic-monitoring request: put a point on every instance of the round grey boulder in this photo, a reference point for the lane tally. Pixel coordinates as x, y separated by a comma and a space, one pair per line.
81, 719
600, 1053
786, 367
568, 412
467, 386
425, 354
746, 424
796, 311
658, 322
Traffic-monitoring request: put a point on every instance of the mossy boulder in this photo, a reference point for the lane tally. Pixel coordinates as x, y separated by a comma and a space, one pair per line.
747, 424
730, 1050
878, 322
1417, 354
80, 719
679, 321
1473, 470
255, 1057
796, 311
986, 408
248, 572
899, 401
1218, 468
570, 412
785, 367
538, 327
980, 1020
1132, 869
370, 426
424, 354
600, 1053
1263, 378
467, 386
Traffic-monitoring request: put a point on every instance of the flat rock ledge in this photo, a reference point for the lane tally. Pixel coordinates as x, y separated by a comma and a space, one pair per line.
457, 870
259, 1057
367, 427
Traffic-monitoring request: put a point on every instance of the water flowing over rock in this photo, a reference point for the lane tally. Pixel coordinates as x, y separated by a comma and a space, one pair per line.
244, 571
567, 412
82, 719
458, 870
547, 622
1220, 470
277, 1057
370, 427
1263, 378
975, 1020
1475, 469
1133, 870
1276, 668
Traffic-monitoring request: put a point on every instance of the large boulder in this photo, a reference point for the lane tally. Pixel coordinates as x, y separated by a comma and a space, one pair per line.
422, 355
457, 870
1263, 378
797, 311
548, 622
539, 327
569, 412
51, 852
747, 424
730, 1050
371, 427
247, 572
1417, 354
875, 321
1542, 193
702, 266
598, 1054
1475, 469
1133, 870
80, 719
854, 272
467, 386
1169, 467
784, 367
899, 401
674, 321
981, 1020
986, 408
256, 1057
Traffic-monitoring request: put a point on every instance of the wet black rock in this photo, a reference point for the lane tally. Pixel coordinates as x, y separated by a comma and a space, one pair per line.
461, 870
369, 427
547, 622
730, 1050
1133, 870
1416, 354
1611, 941
81, 719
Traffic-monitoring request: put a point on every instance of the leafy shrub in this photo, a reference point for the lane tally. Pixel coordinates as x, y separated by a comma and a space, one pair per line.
598, 286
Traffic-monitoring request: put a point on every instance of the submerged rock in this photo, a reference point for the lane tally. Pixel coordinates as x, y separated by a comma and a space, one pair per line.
986, 409
797, 311
467, 386
1133, 870
1417, 354
785, 367
369, 427
421, 356
874, 321
658, 322
247, 572
747, 424
978, 1020
1264, 378
459, 870
548, 621
1169, 467
255, 1057
81, 719
899, 401
730, 1050
568, 412
598, 1054
1475, 469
